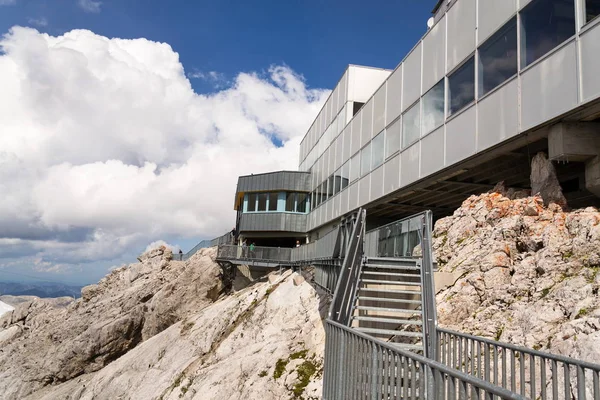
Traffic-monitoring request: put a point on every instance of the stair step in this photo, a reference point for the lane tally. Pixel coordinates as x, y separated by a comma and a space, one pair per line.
388, 320
389, 332
391, 274
411, 292
401, 283
396, 310
394, 260
388, 300
405, 346
401, 267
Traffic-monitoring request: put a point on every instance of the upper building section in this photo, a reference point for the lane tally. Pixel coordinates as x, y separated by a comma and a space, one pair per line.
281, 191
353, 90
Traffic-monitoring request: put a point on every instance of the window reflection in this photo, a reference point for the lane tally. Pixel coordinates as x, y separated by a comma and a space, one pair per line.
411, 129
262, 202
377, 154
365, 160
301, 199
252, 202
345, 175
273, 201
392, 138
355, 167
498, 58
290, 200
592, 9
545, 25
461, 86
433, 107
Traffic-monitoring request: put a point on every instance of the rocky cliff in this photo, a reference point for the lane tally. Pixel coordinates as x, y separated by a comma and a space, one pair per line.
528, 274
161, 329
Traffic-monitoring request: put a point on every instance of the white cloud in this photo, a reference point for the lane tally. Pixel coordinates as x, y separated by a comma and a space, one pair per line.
38, 21
90, 6
158, 243
104, 145
7, 2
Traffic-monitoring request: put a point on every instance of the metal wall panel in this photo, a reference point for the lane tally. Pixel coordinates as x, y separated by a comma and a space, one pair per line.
393, 96
336, 206
461, 32
391, 180
276, 222
346, 139
492, 14
353, 196
590, 63
364, 190
355, 124
344, 201
339, 151
379, 110
376, 183
328, 211
409, 164
434, 55
411, 81
281, 180
343, 85
334, 103
366, 131
498, 116
460, 136
432, 152
549, 88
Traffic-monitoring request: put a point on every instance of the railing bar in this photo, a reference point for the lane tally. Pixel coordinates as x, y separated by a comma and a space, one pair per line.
486, 361
472, 346
543, 381
413, 383
522, 372
532, 375
453, 345
451, 388
567, 377
596, 384
460, 354
495, 355
479, 372
374, 370
554, 380
386, 374
503, 367
580, 383
406, 377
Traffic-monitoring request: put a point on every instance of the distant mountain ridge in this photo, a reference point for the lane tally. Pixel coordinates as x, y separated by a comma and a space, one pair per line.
39, 289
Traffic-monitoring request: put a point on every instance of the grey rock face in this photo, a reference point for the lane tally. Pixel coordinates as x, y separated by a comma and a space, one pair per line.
544, 181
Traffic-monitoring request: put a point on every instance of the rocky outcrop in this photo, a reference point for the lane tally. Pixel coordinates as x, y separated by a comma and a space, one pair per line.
264, 342
48, 341
529, 274
544, 181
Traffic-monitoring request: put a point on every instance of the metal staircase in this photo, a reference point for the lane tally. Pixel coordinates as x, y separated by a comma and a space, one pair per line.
388, 302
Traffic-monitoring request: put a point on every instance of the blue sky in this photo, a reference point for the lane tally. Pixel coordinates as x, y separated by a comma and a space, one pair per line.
234, 54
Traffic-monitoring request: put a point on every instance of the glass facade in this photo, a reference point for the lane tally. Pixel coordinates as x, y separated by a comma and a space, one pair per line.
433, 107
251, 201
411, 125
355, 167
377, 150
392, 138
592, 9
498, 58
345, 175
365, 160
262, 202
277, 202
544, 25
461, 87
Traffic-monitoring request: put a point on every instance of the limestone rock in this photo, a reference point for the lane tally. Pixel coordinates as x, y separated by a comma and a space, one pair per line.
544, 181
529, 274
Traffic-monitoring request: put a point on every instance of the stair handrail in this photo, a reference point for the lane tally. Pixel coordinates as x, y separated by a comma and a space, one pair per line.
341, 304
428, 288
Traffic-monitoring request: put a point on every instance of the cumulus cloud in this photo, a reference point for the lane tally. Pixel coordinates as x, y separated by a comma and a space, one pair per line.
89, 6
105, 146
158, 243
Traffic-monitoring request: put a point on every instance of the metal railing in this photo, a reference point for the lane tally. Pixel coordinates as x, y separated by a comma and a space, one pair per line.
428, 304
281, 255
396, 239
325, 248
358, 366
532, 373
224, 239
343, 297
326, 275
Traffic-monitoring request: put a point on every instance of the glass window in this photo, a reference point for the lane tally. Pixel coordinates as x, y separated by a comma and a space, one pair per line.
330, 183
337, 181
461, 86
290, 200
355, 167
592, 9
411, 127
498, 58
345, 175
273, 201
318, 196
433, 107
302, 199
392, 138
365, 160
251, 201
262, 202
544, 25
377, 153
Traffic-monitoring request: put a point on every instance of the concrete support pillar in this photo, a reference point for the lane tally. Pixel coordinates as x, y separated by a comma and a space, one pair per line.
578, 141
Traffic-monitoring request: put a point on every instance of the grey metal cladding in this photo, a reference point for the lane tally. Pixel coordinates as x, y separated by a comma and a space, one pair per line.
273, 222
281, 180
